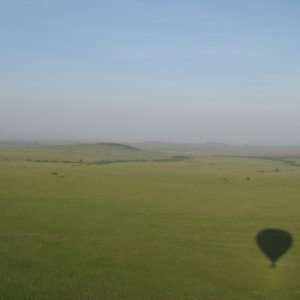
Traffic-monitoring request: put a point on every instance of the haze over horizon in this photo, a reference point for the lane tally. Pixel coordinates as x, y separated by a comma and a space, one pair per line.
174, 71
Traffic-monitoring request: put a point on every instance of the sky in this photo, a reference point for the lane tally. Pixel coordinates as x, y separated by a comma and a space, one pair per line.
177, 71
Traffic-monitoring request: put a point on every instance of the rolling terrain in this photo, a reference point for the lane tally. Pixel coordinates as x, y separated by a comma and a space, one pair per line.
110, 221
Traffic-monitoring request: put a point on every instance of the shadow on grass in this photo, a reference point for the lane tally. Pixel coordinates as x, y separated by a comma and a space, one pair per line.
274, 243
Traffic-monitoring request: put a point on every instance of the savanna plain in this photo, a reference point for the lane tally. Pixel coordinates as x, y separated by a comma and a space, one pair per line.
110, 221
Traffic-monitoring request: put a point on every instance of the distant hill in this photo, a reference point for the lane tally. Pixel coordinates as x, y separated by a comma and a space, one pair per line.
116, 145
219, 148
147, 149
80, 153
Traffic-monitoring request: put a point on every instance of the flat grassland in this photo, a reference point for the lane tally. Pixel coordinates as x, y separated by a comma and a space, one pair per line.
106, 221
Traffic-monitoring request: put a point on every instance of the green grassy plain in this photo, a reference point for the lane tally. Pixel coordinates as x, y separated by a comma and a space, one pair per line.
150, 229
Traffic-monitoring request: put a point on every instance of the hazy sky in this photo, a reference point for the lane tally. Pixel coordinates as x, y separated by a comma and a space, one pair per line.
122, 70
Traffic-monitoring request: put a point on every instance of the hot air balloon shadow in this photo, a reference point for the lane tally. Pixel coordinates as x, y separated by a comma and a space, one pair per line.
274, 243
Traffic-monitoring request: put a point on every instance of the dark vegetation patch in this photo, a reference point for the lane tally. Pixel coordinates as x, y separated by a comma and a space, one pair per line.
107, 162
269, 171
287, 160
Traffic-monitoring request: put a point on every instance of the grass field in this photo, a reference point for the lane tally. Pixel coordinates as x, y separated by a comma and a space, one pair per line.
143, 225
